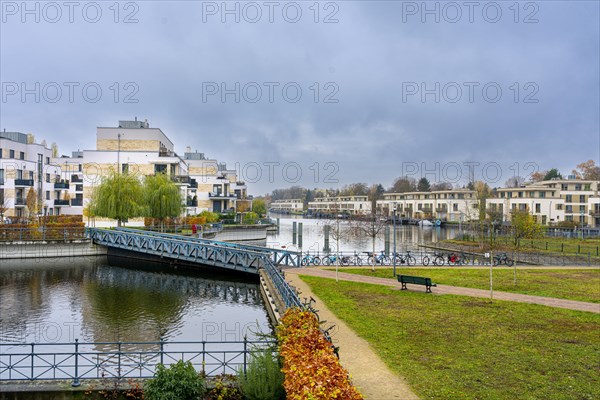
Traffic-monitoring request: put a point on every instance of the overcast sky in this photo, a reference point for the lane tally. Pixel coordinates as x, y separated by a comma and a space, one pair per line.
386, 89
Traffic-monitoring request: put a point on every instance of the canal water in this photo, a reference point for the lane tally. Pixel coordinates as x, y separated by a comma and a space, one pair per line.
60, 300
408, 237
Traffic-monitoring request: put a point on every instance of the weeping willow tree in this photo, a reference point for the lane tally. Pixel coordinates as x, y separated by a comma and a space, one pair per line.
162, 198
119, 196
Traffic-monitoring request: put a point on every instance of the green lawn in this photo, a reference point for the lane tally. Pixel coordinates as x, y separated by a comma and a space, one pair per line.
547, 244
454, 347
572, 284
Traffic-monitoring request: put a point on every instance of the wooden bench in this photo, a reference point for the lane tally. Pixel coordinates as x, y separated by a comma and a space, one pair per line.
415, 280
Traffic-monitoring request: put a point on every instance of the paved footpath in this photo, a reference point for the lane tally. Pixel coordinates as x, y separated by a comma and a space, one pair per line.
444, 289
370, 375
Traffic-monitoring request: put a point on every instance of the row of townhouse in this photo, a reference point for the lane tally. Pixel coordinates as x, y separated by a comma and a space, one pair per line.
65, 184
550, 202
353, 205
287, 206
447, 205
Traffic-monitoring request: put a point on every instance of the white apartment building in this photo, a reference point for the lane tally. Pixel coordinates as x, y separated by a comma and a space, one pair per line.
217, 188
552, 201
27, 166
446, 205
287, 206
354, 205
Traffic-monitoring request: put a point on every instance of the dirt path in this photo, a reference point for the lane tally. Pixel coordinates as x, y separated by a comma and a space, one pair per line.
372, 377
444, 289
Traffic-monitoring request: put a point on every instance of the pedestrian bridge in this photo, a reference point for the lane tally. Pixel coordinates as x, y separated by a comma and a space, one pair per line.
224, 255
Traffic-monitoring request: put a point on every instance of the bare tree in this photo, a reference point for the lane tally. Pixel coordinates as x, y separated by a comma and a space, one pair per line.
514, 182
369, 226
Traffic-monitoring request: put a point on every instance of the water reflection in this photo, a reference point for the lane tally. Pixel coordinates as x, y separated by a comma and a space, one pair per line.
408, 237
94, 302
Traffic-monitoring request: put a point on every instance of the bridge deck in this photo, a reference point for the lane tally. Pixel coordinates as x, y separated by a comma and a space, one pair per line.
202, 251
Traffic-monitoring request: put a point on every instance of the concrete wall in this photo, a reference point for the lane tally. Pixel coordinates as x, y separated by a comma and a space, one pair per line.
32, 250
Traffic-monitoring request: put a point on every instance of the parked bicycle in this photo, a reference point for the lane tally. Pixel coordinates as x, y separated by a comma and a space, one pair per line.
332, 259
309, 259
357, 259
503, 258
382, 258
457, 259
336, 349
407, 258
435, 259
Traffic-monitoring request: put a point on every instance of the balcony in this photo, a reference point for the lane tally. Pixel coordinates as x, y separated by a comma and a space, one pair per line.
76, 179
61, 185
183, 179
192, 203
442, 209
23, 182
77, 202
221, 196
19, 202
61, 202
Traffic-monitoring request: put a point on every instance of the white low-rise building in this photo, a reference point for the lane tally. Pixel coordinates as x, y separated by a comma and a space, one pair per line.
353, 205
26, 166
551, 202
447, 205
287, 206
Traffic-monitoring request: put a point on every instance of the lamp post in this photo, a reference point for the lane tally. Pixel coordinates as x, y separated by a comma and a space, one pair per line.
394, 255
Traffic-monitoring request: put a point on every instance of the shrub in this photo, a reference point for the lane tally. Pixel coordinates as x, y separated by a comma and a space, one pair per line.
225, 389
178, 382
210, 217
263, 379
251, 218
312, 371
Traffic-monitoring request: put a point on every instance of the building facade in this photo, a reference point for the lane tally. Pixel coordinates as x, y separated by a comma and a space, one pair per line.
287, 206
353, 205
447, 205
551, 202
64, 185
30, 182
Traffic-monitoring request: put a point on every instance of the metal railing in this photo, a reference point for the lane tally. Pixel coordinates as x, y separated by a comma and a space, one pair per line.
278, 256
100, 360
288, 295
42, 233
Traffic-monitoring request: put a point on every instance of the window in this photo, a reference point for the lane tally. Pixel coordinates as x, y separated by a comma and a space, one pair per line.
47, 160
569, 198
79, 188
588, 186
538, 208
11, 154
520, 195
544, 220
569, 209
0, 152
582, 198
578, 186
19, 174
80, 167
559, 206
522, 207
21, 155
48, 178
1, 177
160, 168
47, 195
542, 195
125, 168
509, 195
